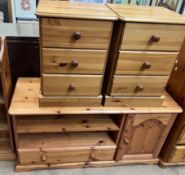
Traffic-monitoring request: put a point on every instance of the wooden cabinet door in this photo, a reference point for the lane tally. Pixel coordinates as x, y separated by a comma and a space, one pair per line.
143, 136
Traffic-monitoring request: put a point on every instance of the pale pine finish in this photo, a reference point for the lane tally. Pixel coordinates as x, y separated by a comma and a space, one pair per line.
66, 9
127, 85
60, 61
132, 63
134, 13
56, 32
65, 147
6, 139
72, 101
144, 135
133, 101
25, 102
178, 153
171, 37
89, 85
66, 123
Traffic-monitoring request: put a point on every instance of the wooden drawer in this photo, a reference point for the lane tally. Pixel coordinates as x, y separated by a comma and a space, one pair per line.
71, 85
138, 85
140, 36
178, 154
65, 147
73, 61
145, 63
71, 33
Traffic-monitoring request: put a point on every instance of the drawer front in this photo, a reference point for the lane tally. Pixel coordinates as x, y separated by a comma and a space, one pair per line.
64, 155
178, 154
138, 85
73, 61
181, 139
139, 36
145, 63
75, 33
71, 85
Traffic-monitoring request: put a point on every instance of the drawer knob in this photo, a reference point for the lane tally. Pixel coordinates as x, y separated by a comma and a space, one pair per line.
76, 35
147, 65
139, 88
155, 38
74, 63
71, 87
126, 141
43, 158
92, 156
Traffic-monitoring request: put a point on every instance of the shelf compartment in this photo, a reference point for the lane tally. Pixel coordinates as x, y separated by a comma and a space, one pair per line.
3, 125
65, 147
65, 123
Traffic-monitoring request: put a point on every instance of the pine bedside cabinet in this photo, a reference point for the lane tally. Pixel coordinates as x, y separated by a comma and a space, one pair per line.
145, 44
74, 43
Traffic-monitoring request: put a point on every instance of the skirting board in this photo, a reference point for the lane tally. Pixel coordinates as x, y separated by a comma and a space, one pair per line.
95, 164
133, 101
163, 164
54, 101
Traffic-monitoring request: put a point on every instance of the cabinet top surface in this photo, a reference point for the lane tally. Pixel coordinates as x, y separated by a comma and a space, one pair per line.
66, 9
25, 102
150, 14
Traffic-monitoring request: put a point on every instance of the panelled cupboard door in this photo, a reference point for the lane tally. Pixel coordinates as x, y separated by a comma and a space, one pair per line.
69, 33
143, 136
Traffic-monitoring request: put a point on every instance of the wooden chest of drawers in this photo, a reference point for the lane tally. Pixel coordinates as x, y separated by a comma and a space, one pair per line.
143, 51
74, 41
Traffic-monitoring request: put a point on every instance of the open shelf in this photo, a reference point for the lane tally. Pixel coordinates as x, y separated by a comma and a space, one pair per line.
4, 146
65, 123
73, 139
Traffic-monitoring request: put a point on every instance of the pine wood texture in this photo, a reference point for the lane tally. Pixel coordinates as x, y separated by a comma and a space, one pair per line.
69, 101
6, 139
56, 32
134, 13
133, 63
142, 40
128, 85
144, 135
73, 61
112, 101
25, 102
71, 85
91, 164
65, 147
173, 152
66, 9
66, 123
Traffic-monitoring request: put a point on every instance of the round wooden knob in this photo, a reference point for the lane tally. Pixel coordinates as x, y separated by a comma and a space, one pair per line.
147, 65
74, 63
155, 38
139, 87
92, 156
126, 141
71, 87
77, 35
43, 158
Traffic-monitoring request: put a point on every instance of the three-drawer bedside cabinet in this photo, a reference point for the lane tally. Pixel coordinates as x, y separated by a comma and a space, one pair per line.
74, 44
145, 44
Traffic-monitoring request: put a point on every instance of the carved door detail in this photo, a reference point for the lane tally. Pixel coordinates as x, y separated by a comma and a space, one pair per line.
143, 136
